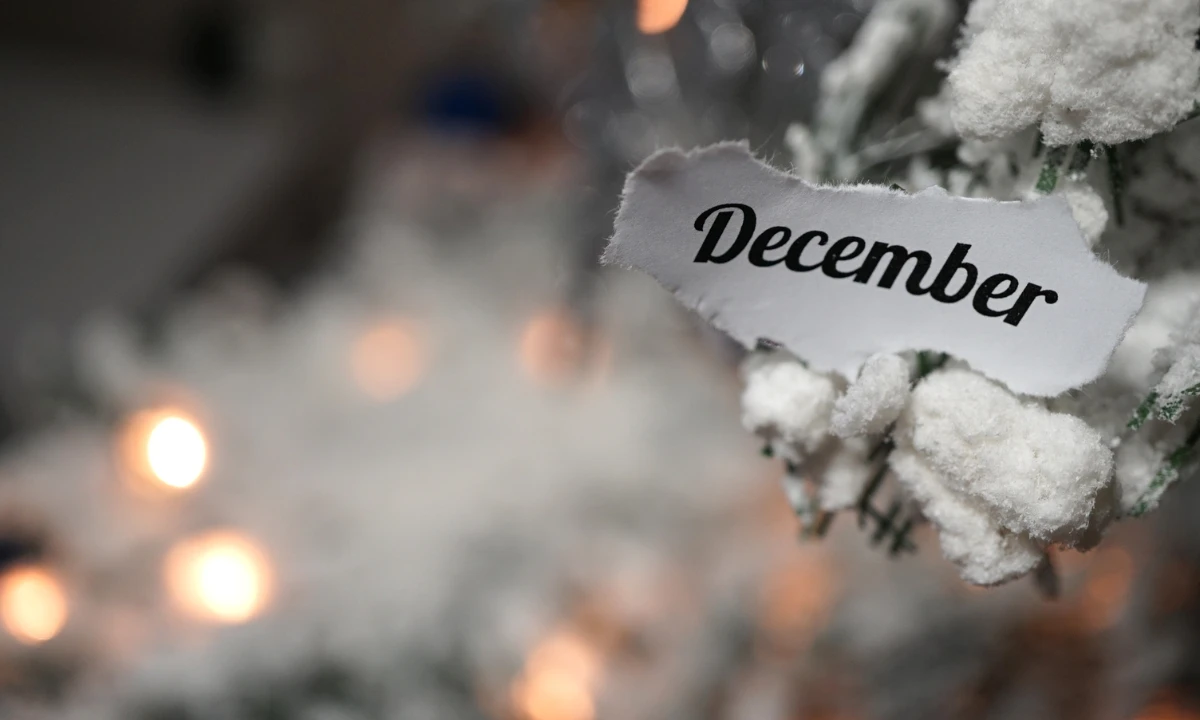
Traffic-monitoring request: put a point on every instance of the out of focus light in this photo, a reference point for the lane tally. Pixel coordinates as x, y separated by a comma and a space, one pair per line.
797, 596
559, 680
33, 604
554, 348
1167, 707
167, 447
388, 359
1106, 591
659, 16
651, 77
221, 576
783, 62
731, 46
176, 451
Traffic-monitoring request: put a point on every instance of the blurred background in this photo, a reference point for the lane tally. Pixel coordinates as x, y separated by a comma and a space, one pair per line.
315, 404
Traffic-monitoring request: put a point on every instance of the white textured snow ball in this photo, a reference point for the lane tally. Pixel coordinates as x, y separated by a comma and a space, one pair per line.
985, 553
1107, 71
1033, 471
998, 85
875, 399
787, 401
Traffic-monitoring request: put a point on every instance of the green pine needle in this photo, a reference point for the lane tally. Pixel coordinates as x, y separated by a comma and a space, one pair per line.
927, 362
1171, 409
1142, 414
1168, 474
1168, 409
1049, 175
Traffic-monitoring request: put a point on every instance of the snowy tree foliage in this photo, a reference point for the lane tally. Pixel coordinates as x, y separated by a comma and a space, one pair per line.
1089, 100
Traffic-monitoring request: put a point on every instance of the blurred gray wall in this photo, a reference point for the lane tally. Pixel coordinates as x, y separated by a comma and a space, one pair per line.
142, 140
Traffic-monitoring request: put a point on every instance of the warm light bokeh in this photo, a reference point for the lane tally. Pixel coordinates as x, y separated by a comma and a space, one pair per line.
167, 447
1106, 590
559, 680
554, 348
797, 595
388, 359
1168, 707
33, 604
221, 576
659, 16
176, 451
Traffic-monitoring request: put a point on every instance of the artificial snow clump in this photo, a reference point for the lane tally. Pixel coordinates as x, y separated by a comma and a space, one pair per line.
840, 472
1087, 207
1038, 472
1109, 71
985, 553
1139, 462
875, 399
794, 487
784, 400
843, 472
1181, 382
996, 473
1149, 462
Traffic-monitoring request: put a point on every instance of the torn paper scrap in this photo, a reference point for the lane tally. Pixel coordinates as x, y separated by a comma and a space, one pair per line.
838, 274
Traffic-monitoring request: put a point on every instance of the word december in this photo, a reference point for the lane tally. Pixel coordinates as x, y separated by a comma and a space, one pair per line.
834, 263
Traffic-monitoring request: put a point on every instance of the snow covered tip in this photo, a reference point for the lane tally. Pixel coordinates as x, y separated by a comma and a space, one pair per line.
999, 476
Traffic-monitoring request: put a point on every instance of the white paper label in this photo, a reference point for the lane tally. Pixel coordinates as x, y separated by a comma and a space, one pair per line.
836, 274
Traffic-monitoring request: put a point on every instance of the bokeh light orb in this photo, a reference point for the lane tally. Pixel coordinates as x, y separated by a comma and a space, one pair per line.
166, 447
176, 451
659, 16
559, 680
33, 604
388, 359
553, 346
221, 576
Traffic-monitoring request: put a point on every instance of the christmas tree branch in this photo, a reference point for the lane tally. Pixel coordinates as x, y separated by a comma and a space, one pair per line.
1168, 474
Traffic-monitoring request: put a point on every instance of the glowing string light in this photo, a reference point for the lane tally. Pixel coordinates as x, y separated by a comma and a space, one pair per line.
33, 604
659, 16
165, 447
559, 680
221, 576
176, 451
